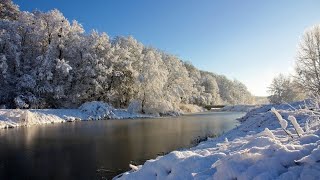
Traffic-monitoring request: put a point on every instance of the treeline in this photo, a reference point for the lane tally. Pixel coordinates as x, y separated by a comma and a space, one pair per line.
48, 62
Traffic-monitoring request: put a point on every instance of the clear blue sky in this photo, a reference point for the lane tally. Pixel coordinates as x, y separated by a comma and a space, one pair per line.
249, 40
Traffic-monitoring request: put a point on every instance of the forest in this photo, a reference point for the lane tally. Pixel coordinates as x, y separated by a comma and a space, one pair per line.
47, 61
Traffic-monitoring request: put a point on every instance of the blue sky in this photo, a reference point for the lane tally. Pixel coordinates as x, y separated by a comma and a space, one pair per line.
249, 40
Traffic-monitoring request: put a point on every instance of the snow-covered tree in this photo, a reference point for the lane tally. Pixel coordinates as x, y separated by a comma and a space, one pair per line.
127, 66
283, 90
178, 85
46, 61
308, 60
8, 10
211, 89
151, 80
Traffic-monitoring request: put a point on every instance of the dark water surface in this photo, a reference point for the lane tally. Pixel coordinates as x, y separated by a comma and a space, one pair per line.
100, 149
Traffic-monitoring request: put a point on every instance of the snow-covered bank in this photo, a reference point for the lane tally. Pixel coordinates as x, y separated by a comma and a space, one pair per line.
239, 108
95, 110
257, 149
89, 111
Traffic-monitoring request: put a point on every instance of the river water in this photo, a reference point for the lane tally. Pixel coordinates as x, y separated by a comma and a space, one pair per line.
101, 149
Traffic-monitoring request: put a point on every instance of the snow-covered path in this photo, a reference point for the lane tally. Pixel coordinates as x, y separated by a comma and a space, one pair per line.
257, 149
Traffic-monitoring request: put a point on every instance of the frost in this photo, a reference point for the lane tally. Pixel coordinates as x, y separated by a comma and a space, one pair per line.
27, 81
268, 133
135, 107
20, 102
306, 126
3, 64
133, 167
282, 121
63, 66
296, 125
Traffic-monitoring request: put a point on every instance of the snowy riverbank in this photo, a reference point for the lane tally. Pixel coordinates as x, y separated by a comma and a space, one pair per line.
95, 110
10, 118
257, 149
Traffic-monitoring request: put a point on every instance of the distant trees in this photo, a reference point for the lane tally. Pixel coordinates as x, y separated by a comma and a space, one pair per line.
284, 90
48, 62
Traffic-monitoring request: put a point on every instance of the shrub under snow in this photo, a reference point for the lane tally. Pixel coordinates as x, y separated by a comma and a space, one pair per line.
97, 110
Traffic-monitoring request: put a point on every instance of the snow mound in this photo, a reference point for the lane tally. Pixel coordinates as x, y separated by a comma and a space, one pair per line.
97, 110
17, 117
31, 118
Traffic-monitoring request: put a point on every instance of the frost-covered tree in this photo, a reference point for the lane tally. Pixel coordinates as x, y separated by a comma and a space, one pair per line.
233, 92
196, 88
127, 66
308, 61
283, 90
46, 61
178, 85
151, 80
94, 68
8, 10
211, 89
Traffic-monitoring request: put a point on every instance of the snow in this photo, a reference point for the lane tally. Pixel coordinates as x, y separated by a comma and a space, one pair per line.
17, 117
295, 124
135, 106
257, 149
283, 122
95, 110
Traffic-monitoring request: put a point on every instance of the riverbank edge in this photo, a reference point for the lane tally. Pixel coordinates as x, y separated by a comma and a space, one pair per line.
95, 110
13, 118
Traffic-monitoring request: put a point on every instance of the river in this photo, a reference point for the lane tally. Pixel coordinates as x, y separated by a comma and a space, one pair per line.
101, 149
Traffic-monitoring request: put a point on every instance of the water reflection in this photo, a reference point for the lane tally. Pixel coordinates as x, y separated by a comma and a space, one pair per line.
100, 149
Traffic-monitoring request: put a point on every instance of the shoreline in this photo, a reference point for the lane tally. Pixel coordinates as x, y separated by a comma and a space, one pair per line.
12, 118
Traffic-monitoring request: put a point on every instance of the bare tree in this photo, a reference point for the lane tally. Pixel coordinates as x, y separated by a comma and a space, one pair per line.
308, 61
